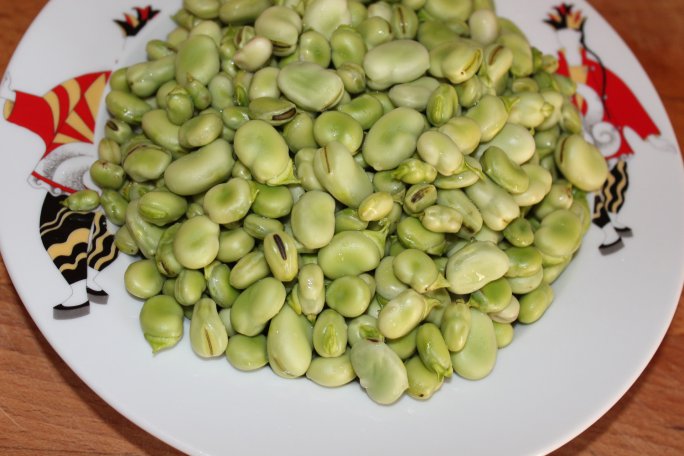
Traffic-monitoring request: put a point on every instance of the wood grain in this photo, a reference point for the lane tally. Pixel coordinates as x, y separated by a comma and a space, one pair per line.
46, 409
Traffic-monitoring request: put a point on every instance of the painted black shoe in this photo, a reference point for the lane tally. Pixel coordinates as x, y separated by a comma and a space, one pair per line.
607, 249
62, 312
97, 296
624, 231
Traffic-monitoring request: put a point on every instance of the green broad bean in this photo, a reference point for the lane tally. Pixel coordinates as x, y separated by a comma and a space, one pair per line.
289, 343
157, 126
109, 151
363, 327
337, 126
161, 207
492, 297
404, 346
200, 131
510, 176
298, 133
416, 269
118, 131
413, 234
496, 205
310, 86
581, 163
440, 151
217, 276
348, 220
249, 269
272, 202
146, 163
457, 60
310, 289
422, 382
82, 201
282, 26
313, 219
540, 185
414, 171
196, 243
161, 321
314, 48
523, 261
238, 12
419, 197
464, 132
519, 233
263, 150
455, 325
348, 295
535, 303
414, 94
432, 350
114, 206
331, 372
441, 219
490, 114
340, 175
442, 105
365, 109
247, 353
560, 233
529, 109
330, 334
516, 141
401, 314
504, 334
388, 286
166, 261
478, 356
375, 31
200, 170
229, 202
257, 305
264, 84
208, 335
522, 52
508, 314
484, 26
474, 266
522, 285
347, 46
380, 371
472, 172
259, 227
123, 240
398, 132
144, 79
275, 111
126, 107
197, 59
280, 253
189, 286
142, 279
145, 235
395, 62
234, 244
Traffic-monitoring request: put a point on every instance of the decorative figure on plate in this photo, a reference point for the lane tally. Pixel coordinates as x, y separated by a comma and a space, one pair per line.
614, 119
78, 243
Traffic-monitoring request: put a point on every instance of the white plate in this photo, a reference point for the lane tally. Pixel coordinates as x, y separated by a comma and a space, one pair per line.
558, 376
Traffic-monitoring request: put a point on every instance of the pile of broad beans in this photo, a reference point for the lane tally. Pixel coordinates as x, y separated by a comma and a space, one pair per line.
342, 189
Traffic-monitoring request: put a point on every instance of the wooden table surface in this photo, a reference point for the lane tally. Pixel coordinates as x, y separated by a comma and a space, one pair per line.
45, 409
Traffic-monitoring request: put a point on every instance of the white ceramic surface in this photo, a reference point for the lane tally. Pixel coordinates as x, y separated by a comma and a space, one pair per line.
557, 377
